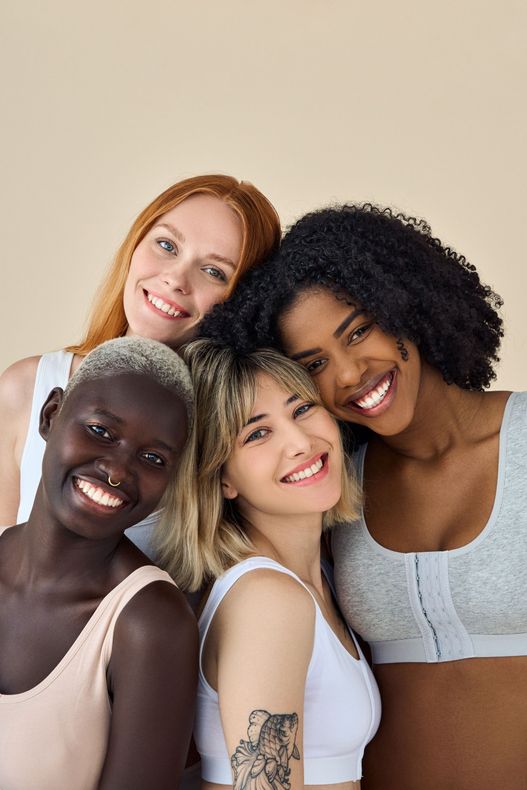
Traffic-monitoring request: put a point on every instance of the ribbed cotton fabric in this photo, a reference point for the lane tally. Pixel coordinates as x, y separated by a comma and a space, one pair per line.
55, 735
445, 605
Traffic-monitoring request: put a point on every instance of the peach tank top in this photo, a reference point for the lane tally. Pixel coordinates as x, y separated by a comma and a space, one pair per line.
54, 736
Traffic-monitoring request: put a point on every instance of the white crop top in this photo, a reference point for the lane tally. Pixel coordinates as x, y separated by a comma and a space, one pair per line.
54, 371
435, 606
341, 701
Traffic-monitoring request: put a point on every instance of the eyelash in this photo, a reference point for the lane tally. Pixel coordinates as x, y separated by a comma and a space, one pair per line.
174, 249
217, 274
357, 334
95, 428
260, 433
103, 433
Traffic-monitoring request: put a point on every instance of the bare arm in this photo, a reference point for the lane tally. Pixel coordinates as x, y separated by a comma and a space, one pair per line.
16, 396
153, 677
264, 640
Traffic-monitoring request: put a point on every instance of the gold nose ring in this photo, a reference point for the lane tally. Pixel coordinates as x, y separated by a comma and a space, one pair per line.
113, 485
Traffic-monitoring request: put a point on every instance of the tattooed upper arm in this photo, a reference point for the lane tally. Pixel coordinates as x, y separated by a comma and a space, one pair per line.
265, 632
265, 757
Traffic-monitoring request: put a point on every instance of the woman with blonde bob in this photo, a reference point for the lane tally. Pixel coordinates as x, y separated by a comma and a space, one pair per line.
285, 697
184, 253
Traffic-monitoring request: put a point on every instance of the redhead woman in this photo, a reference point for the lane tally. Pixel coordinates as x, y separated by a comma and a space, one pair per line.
401, 338
285, 697
99, 647
185, 252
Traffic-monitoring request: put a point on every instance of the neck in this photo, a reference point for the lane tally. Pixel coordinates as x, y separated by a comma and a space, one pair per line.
49, 552
291, 540
444, 417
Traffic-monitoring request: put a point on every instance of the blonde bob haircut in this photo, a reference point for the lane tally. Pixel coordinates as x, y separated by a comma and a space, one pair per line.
260, 238
225, 384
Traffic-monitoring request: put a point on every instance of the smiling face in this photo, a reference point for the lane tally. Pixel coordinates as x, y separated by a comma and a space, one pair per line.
287, 460
181, 269
358, 369
127, 428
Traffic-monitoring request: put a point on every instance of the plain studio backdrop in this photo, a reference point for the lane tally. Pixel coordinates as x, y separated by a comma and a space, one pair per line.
416, 105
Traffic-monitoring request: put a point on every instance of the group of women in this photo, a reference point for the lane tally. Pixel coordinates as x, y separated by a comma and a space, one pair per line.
319, 466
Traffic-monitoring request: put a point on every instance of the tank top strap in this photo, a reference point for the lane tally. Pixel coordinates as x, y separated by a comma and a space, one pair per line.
224, 583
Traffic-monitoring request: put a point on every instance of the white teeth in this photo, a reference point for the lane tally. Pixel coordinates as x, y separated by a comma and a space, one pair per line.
97, 494
376, 396
163, 306
308, 471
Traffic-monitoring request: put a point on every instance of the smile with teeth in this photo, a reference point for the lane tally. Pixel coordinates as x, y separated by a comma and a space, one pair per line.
307, 471
98, 495
163, 307
375, 396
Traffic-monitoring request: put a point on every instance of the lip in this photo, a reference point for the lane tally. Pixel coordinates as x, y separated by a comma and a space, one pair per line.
386, 402
307, 481
160, 313
96, 507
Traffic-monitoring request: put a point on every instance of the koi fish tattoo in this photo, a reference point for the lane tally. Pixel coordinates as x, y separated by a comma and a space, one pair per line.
262, 762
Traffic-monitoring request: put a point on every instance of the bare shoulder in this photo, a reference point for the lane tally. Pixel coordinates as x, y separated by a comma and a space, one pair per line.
269, 594
158, 613
17, 383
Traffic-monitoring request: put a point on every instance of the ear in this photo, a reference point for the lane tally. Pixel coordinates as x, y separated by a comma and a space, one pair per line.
49, 411
228, 490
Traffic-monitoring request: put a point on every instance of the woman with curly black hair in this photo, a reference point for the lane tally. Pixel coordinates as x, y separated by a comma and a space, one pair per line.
401, 338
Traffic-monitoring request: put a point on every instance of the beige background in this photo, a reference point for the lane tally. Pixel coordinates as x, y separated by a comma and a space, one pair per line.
420, 105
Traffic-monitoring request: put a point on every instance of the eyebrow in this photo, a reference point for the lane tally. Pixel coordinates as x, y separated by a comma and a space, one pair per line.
180, 237
258, 417
337, 333
109, 415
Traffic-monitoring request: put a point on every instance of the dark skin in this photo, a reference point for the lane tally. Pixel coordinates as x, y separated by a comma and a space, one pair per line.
458, 725
56, 569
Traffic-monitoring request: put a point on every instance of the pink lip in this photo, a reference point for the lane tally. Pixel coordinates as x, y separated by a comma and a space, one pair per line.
159, 312
308, 480
95, 506
385, 404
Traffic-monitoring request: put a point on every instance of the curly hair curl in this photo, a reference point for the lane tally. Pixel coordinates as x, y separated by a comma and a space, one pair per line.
389, 264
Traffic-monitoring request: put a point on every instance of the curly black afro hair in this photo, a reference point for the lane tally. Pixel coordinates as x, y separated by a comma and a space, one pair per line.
389, 264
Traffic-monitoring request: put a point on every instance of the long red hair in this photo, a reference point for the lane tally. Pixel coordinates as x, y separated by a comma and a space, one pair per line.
260, 237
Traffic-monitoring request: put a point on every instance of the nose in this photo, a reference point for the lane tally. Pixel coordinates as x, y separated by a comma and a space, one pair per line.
296, 440
176, 275
117, 467
350, 370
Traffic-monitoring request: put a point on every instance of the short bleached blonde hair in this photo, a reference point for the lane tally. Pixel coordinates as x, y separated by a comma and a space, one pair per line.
204, 541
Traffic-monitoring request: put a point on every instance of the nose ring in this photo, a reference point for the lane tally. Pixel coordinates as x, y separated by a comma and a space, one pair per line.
113, 485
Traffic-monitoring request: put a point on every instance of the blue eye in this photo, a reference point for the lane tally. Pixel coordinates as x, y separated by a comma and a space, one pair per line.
303, 409
216, 273
99, 430
167, 245
259, 433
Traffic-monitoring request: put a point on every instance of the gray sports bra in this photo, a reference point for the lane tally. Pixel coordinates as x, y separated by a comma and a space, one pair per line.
445, 605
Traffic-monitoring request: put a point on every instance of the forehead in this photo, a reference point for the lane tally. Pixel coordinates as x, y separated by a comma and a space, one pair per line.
133, 399
208, 219
313, 311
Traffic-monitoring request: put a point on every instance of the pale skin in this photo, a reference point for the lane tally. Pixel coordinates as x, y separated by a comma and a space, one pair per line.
265, 623
460, 724
188, 259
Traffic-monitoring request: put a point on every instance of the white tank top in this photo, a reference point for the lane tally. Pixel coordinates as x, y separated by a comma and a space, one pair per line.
341, 699
54, 371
